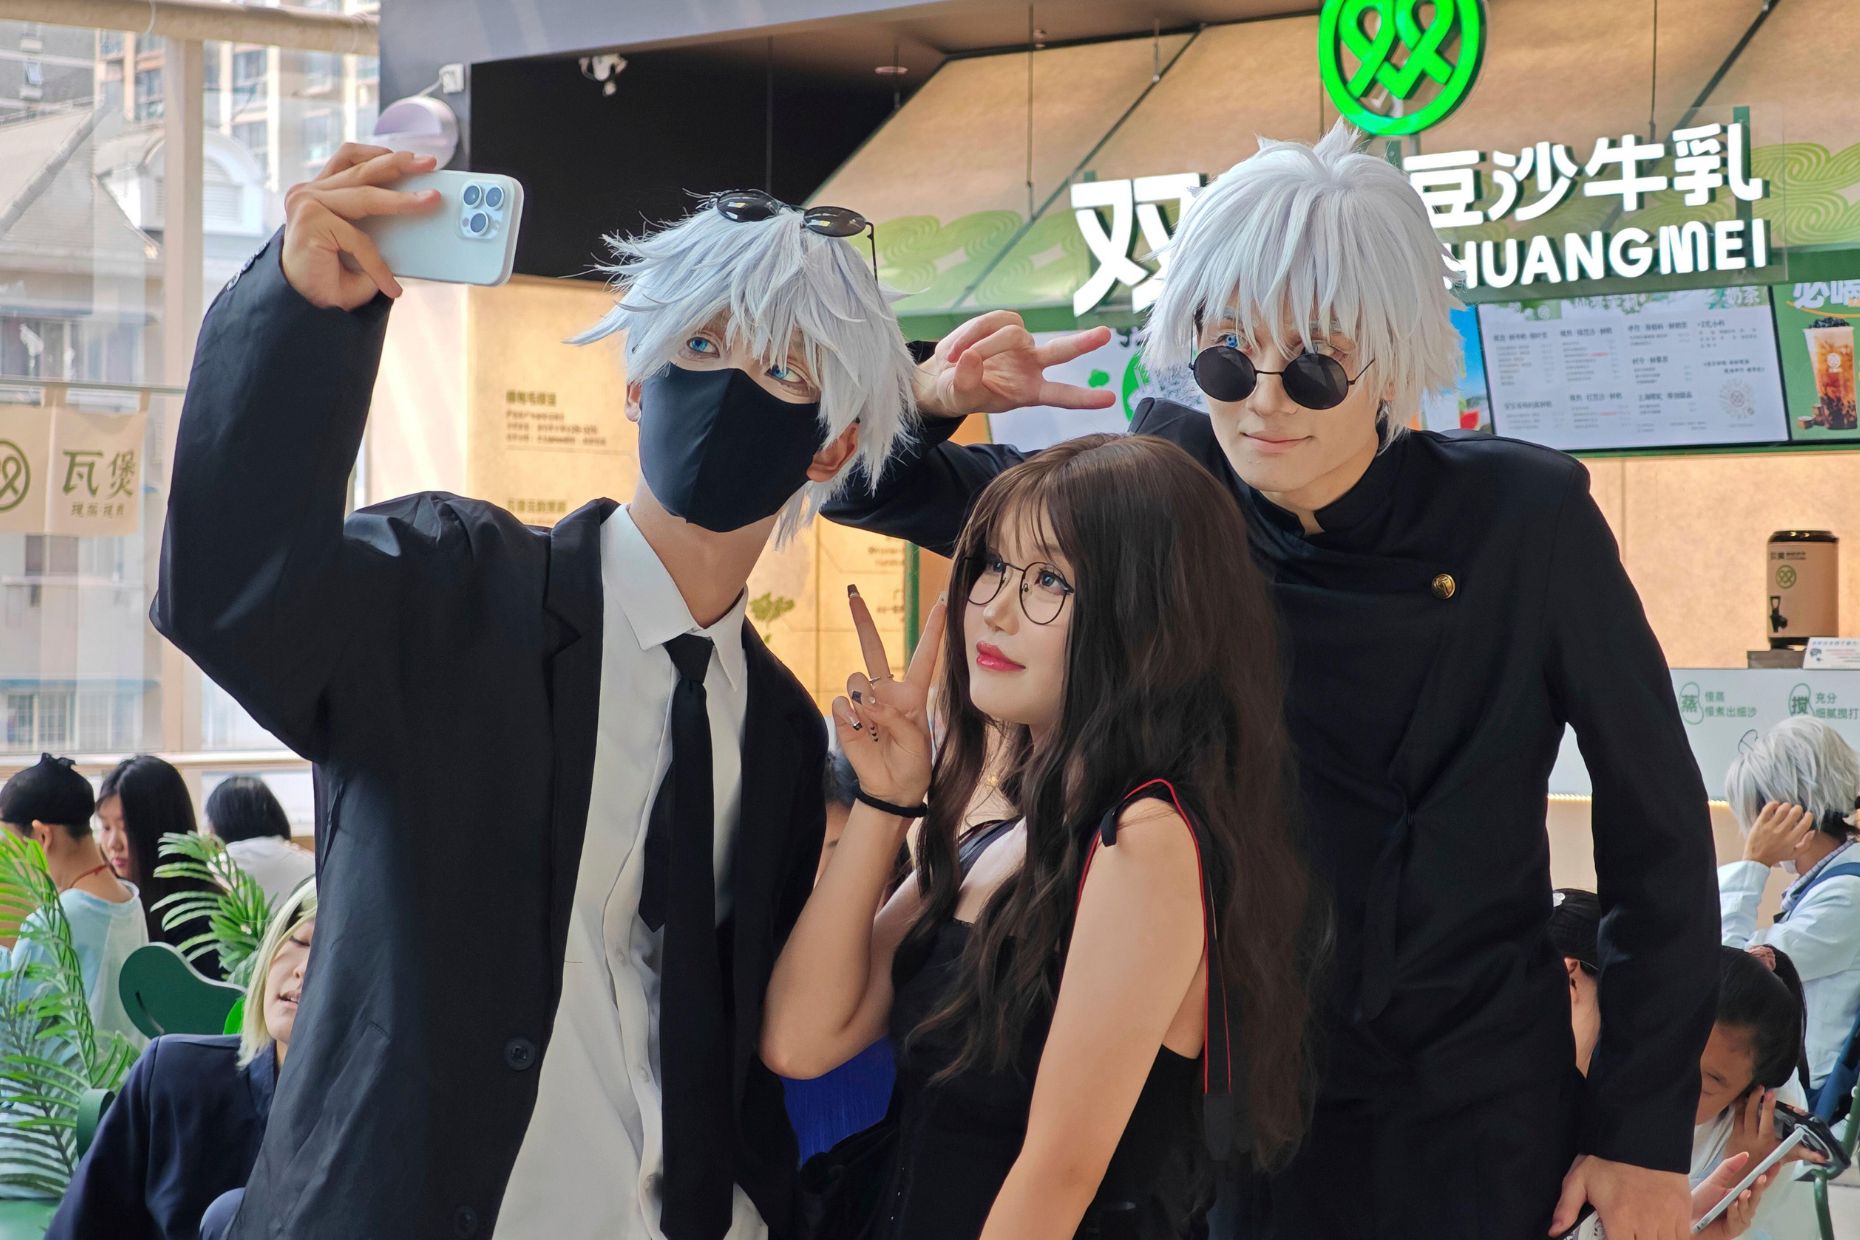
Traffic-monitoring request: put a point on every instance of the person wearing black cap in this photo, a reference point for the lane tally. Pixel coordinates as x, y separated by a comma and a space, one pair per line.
1575, 921
51, 804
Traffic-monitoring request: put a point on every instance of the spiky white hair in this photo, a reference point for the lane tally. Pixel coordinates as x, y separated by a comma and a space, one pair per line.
1801, 761
1298, 237
781, 285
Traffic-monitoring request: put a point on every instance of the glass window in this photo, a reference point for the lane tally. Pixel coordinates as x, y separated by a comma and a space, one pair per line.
20, 721
50, 555
148, 95
55, 720
110, 43
94, 711
322, 71
249, 66
251, 135
322, 133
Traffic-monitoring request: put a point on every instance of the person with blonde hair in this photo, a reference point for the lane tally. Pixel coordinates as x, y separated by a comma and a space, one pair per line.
1451, 604
186, 1126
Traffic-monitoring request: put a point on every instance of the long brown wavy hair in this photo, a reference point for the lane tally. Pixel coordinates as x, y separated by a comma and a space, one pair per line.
1173, 672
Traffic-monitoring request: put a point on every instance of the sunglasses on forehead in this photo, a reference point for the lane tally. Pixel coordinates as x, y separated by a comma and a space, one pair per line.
752, 206
1313, 380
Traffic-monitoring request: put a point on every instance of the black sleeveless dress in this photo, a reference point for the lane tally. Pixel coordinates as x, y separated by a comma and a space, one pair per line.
958, 1138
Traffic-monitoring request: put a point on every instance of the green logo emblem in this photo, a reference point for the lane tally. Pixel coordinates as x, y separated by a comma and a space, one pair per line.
1375, 94
15, 476
1785, 577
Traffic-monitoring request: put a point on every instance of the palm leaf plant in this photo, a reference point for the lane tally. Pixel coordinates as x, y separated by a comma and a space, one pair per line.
50, 1051
230, 901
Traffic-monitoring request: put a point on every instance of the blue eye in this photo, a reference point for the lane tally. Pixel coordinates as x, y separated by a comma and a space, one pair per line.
700, 344
784, 374
1229, 339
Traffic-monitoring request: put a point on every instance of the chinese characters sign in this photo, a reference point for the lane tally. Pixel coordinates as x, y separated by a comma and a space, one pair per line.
1396, 57
1703, 164
63, 471
1134, 205
1125, 223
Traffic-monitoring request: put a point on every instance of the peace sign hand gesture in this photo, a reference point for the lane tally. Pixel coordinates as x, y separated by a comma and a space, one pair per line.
884, 729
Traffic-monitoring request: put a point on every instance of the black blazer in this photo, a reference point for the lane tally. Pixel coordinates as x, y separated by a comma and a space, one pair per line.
1464, 602
184, 1129
441, 663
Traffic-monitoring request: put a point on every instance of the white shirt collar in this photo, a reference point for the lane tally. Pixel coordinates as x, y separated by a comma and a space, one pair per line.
652, 603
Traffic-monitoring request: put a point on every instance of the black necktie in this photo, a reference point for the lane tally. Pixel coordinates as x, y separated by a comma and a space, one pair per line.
694, 1045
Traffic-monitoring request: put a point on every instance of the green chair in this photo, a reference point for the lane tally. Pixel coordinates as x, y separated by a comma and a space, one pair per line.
25, 1220
1849, 1133
165, 994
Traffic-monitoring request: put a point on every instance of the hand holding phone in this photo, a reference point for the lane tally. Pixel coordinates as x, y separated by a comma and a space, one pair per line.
469, 238
326, 257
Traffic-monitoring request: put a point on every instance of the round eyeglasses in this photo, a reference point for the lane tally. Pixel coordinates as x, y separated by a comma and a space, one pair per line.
752, 206
1313, 380
1043, 588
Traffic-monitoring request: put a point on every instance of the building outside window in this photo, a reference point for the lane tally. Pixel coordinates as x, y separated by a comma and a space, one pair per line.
322, 134
148, 95
253, 136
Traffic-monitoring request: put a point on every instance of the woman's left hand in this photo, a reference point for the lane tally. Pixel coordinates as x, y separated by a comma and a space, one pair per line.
1736, 1220
884, 723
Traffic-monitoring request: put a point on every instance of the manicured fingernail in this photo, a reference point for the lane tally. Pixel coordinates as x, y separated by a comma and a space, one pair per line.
857, 697
852, 591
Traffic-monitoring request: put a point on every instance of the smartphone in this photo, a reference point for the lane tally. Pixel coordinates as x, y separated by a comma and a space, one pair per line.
469, 238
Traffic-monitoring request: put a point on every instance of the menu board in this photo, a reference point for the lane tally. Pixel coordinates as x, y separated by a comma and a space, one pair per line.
1815, 323
1690, 368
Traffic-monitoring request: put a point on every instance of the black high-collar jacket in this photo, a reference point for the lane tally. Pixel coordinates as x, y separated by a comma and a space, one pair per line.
1464, 602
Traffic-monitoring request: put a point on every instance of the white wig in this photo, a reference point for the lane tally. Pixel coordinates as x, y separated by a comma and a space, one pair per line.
781, 284
1300, 237
1801, 761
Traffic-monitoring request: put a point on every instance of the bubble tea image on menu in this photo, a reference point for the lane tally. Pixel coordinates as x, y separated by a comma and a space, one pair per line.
1831, 355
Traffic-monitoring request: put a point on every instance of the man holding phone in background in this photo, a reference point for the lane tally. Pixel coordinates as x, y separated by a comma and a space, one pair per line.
572, 805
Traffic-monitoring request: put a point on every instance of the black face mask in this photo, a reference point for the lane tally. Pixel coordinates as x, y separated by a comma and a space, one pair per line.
720, 450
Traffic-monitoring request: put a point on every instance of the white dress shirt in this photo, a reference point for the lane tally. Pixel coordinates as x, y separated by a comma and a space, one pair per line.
591, 1163
1821, 937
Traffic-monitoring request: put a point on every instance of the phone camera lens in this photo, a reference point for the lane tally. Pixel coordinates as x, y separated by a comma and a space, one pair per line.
478, 222
494, 196
472, 194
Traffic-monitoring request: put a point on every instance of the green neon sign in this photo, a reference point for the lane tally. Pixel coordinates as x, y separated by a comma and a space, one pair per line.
1455, 27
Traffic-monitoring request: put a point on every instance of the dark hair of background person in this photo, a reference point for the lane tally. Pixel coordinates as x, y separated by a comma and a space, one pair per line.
1172, 672
1768, 1007
155, 803
243, 808
838, 780
1575, 926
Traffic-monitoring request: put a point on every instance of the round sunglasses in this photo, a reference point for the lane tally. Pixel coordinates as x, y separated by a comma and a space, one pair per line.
1313, 380
752, 206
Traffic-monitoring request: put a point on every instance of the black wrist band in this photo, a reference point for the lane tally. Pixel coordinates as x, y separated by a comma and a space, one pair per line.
899, 811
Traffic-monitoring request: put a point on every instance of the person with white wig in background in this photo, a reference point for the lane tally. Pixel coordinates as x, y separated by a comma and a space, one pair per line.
584, 704
1450, 605
1793, 795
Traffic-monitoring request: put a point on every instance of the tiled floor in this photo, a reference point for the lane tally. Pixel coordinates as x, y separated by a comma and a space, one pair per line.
1844, 1205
